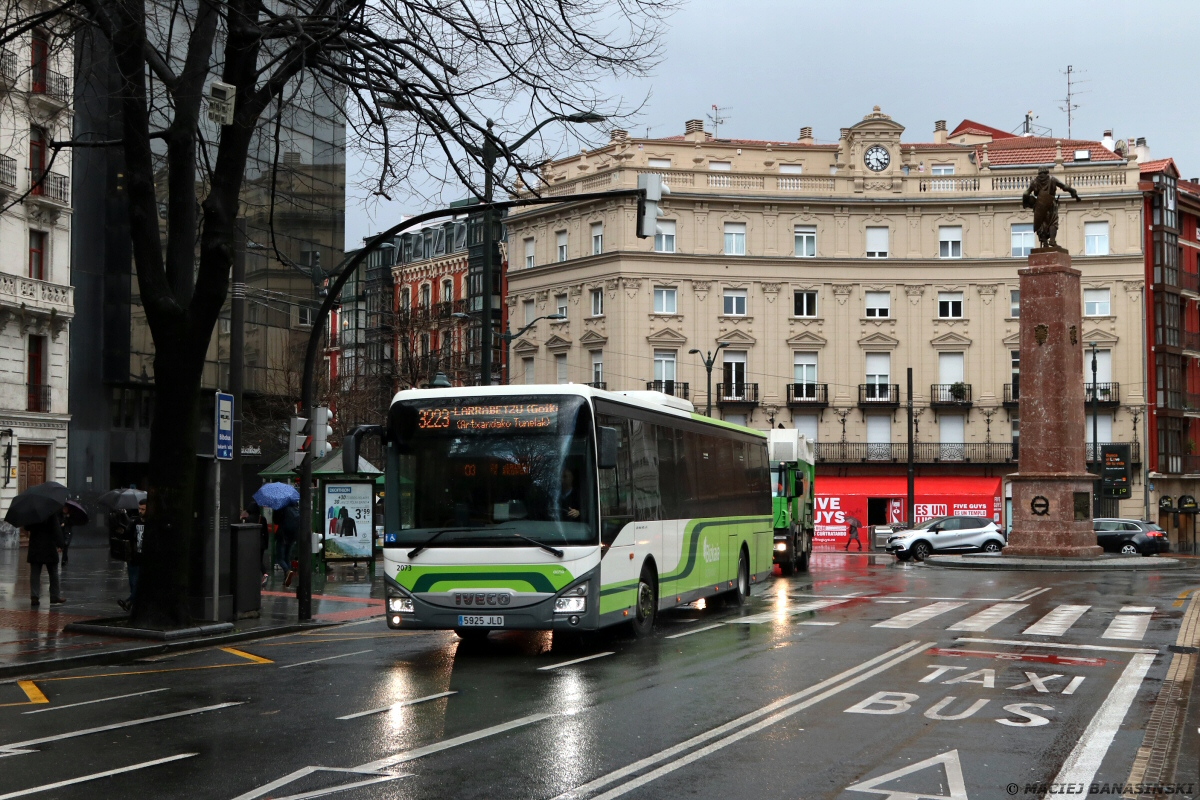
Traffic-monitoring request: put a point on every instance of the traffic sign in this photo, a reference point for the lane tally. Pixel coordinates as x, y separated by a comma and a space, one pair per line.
224, 427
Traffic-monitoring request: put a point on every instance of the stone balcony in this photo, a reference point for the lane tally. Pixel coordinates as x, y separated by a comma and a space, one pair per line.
37, 306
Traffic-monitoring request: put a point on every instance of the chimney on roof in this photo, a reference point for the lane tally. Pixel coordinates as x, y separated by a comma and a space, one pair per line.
939, 131
693, 130
806, 136
617, 135
1107, 141
1141, 150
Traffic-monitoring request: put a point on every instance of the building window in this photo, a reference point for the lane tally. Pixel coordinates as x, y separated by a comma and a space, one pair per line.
597, 302
804, 371
735, 303
37, 152
664, 300
1168, 313
734, 419
1023, 239
1095, 238
304, 316
659, 163
529, 253
561, 239
1014, 303
950, 241
530, 311
1166, 258
878, 375
424, 297
1169, 381
734, 370
560, 367
664, 236
941, 169
597, 238
560, 304
527, 370
735, 238
877, 242
1096, 303
597, 366
878, 304
664, 365
950, 305
447, 290
720, 166
405, 299
806, 424
1170, 444
37, 255
35, 375
804, 304
791, 169
806, 241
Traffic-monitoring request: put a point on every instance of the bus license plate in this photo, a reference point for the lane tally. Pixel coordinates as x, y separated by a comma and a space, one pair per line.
467, 621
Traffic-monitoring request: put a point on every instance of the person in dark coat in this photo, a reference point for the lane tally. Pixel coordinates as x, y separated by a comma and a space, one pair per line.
285, 538
66, 533
45, 539
133, 530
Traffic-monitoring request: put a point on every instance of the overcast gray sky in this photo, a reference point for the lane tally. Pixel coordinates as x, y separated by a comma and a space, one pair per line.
781, 64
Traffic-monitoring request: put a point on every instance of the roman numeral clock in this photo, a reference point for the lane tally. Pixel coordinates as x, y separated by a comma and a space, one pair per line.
877, 158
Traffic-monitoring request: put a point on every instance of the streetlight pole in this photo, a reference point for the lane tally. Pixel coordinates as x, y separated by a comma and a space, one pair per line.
507, 337
1096, 483
709, 358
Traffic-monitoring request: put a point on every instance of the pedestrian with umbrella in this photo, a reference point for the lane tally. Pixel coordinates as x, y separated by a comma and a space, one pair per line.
39, 511
277, 496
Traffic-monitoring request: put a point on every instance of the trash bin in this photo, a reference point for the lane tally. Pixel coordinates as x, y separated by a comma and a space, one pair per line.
245, 550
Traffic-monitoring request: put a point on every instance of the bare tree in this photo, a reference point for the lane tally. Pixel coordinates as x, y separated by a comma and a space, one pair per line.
421, 78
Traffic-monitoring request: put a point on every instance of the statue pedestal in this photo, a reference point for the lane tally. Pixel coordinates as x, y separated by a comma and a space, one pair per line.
1051, 491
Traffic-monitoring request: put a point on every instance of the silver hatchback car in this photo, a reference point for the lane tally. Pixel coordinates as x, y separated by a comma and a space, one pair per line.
946, 534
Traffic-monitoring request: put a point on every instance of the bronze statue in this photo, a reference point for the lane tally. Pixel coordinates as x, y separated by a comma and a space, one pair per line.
1040, 196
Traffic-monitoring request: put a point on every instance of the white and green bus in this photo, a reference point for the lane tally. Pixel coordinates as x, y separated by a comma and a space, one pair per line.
566, 508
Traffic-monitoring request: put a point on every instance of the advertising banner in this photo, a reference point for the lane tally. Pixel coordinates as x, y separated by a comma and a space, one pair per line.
348, 524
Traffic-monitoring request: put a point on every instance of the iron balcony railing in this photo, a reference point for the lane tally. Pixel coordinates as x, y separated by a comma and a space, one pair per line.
37, 398
673, 388
1190, 465
1106, 394
815, 395
50, 185
1191, 401
51, 84
879, 394
1012, 394
950, 394
1189, 281
1191, 340
8, 172
737, 393
8, 68
598, 384
934, 452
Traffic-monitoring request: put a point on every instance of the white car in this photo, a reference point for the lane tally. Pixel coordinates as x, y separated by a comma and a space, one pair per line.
946, 535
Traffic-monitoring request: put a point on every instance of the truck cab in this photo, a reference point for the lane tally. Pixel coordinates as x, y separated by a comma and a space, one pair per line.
792, 471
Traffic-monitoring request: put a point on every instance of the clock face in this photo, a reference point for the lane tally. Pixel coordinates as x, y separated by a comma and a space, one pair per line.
876, 158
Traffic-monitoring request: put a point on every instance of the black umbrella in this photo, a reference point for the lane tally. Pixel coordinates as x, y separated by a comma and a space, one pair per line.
76, 514
118, 499
36, 504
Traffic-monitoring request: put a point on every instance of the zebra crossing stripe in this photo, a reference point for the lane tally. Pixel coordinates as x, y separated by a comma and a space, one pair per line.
1057, 622
1127, 626
985, 619
918, 615
770, 616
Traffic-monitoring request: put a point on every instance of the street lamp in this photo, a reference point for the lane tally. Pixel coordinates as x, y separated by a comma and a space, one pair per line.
508, 337
710, 358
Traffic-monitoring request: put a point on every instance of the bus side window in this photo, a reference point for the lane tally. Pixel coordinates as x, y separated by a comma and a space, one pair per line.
615, 506
668, 471
758, 477
647, 497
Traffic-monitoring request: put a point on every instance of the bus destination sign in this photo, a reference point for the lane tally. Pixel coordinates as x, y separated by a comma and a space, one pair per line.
485, 419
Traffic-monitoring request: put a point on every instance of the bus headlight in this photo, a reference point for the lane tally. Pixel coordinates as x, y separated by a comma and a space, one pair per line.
402, 605
572, 601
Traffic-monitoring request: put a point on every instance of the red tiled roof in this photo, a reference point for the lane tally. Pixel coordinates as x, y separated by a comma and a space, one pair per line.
1158, 165
1041, 149
971, 126
744, 142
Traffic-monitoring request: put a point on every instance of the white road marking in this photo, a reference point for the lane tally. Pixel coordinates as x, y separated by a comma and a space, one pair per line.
1029, 594
771, 616
980, 622
1073, 685
16, 746
696, 755
1127, 626
948, 760
304, 773
1083, 762
1062, 645
637, 766
689, 633
89, 702
891, 600
574, 661
400, 704
108, 773
409, 755
817, 622
326, 658
343, 788
918, 615
1057, 622
1137, 609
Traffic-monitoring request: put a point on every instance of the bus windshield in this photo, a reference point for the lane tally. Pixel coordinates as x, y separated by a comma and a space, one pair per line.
479, 471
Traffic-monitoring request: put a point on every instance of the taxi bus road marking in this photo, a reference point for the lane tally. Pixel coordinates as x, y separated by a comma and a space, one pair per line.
1083, 762
670, 752
1028, 594
466, 738
689, 633
101, 700
292, 777
401, 704
1044, 658
19, 747
108, 773
1099, 647
33, 694
326, 658
696, 755
346, 787
251, 661
575, 661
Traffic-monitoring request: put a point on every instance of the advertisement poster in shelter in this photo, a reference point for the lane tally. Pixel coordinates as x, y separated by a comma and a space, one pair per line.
348, 523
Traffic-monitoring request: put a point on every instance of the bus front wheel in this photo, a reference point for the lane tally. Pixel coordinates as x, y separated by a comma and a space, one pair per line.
645, 606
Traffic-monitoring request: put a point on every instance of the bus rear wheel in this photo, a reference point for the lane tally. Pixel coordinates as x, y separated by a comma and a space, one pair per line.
741, 585
788, 565
645, 606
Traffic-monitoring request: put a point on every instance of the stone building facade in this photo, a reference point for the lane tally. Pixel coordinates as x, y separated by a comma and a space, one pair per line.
818, 274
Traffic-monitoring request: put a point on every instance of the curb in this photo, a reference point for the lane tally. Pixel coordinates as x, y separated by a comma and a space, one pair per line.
1029, 564
133, 653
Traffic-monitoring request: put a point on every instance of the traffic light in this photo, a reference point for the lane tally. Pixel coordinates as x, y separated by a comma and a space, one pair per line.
321, 431
298, 440
648, 212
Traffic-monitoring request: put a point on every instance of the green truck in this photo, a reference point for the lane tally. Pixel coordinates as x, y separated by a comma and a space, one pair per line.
792, 470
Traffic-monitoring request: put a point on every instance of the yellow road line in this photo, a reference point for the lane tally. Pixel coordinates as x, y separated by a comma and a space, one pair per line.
1182, 596
256, 659
251, 660
36, 698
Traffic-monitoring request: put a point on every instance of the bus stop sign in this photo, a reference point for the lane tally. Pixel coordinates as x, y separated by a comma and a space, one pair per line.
224, 427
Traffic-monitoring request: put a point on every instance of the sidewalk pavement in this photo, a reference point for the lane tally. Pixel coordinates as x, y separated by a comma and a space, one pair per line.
92, 583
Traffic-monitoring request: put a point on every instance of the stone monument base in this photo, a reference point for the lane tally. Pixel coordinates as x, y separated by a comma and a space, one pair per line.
1052, 515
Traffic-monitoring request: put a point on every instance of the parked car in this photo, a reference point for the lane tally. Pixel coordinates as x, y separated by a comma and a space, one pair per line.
1131, 537
947, 535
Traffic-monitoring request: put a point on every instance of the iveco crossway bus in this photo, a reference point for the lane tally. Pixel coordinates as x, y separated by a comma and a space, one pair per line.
566, 508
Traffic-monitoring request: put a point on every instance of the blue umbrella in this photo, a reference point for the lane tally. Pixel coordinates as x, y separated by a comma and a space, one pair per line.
276, 495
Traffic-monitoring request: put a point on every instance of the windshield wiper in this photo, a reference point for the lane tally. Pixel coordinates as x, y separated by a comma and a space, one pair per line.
542, 545
436, 534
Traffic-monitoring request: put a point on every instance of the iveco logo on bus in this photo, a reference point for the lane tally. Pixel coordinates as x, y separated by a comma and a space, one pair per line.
711, 553
482, 598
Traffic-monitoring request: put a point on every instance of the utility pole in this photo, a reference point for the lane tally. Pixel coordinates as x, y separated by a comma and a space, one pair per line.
488, 299
911, 474
1095, 441
237, 341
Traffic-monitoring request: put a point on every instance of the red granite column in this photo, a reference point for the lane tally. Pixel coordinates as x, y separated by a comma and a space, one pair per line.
1051, 491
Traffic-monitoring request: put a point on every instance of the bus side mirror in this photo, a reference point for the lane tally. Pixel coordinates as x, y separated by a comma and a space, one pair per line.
606, 439
350, 446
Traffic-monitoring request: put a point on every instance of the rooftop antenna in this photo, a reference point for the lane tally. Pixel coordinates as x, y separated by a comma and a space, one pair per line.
1069, 105
716, 118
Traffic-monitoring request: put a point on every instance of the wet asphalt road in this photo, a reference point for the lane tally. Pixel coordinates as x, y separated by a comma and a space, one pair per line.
863, 678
